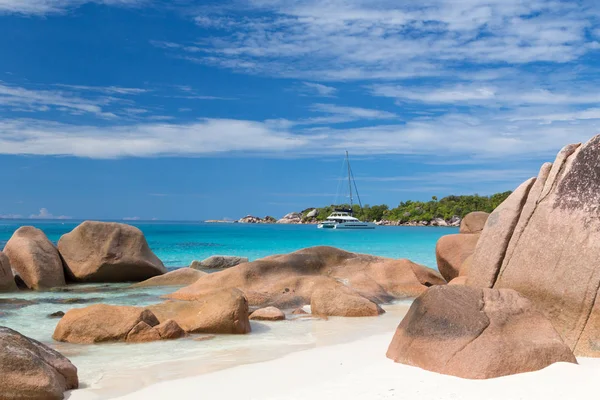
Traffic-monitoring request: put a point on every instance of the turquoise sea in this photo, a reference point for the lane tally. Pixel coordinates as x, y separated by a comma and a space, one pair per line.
110, 370
177, 244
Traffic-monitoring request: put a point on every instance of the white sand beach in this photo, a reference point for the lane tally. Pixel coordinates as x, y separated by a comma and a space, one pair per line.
360, 370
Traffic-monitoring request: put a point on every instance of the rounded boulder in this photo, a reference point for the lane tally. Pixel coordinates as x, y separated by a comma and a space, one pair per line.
108, 252
31, 370
35, 259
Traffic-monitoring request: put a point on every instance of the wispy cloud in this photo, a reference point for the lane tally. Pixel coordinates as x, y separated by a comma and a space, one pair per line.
361, 39
336, 114
42, 7
43, 100
320, 89
105, 89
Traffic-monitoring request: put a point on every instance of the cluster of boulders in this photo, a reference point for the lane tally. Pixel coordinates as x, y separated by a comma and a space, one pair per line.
92, 252
528, 295
250, 219
452, 222
309, 217
334, 282
291, 218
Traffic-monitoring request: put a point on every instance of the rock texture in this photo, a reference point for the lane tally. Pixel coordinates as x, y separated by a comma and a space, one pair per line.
288, 281
495, 236
108, 252
223, 311
268, 314
105, 323
341, 301
30, 370
451, 252
180, 277
550, 246
473, 222
218, 262
476, 334
7, 280
35, 259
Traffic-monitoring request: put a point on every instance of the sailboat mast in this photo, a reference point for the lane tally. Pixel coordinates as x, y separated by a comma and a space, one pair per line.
349, 179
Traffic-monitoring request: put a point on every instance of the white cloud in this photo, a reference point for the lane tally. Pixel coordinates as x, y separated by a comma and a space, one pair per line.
45, 214
321, 90
106, 89
131, 219
41, 100
364, 39
340, 114
206, 137
476, 135
41, 7
507, 94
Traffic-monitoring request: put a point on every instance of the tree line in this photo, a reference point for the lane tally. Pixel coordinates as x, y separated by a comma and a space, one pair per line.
408, 211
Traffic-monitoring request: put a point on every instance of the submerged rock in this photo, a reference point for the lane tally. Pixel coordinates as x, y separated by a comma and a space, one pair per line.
180, 277
7, 280
268, 314
32, 370
15, 304
35, 259
288, 281
218, 262
476, 334
223, 311
108, 252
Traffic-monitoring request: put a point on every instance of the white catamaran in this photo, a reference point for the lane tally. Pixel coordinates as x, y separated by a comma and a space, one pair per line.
343, 218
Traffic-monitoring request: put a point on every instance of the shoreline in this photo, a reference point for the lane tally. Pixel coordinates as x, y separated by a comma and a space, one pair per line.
360, 370
269, 341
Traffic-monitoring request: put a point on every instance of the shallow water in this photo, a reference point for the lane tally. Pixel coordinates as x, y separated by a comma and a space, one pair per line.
179, 243
108, 370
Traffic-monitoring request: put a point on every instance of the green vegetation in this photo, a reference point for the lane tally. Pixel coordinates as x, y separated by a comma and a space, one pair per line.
408, 211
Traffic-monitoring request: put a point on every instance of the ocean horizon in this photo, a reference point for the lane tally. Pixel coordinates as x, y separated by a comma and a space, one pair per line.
178, 243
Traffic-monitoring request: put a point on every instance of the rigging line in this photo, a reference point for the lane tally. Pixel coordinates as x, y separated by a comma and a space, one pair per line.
356, 188
340, 183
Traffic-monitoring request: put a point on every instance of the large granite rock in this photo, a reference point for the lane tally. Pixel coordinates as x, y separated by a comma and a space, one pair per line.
179, 277
495, 236
30, 370
288, 281
7, 280
223, 311
473, 222
476, 334
551, 255
451, 252
106, 323
218, 262
108, 252
35, 259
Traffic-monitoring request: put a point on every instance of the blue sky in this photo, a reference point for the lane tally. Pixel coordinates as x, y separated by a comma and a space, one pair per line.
209, 109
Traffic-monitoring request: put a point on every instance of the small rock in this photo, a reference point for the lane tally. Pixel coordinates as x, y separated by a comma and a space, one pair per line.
58, 314
268, 314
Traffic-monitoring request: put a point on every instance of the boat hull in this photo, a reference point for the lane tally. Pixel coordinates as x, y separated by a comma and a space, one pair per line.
348, 225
